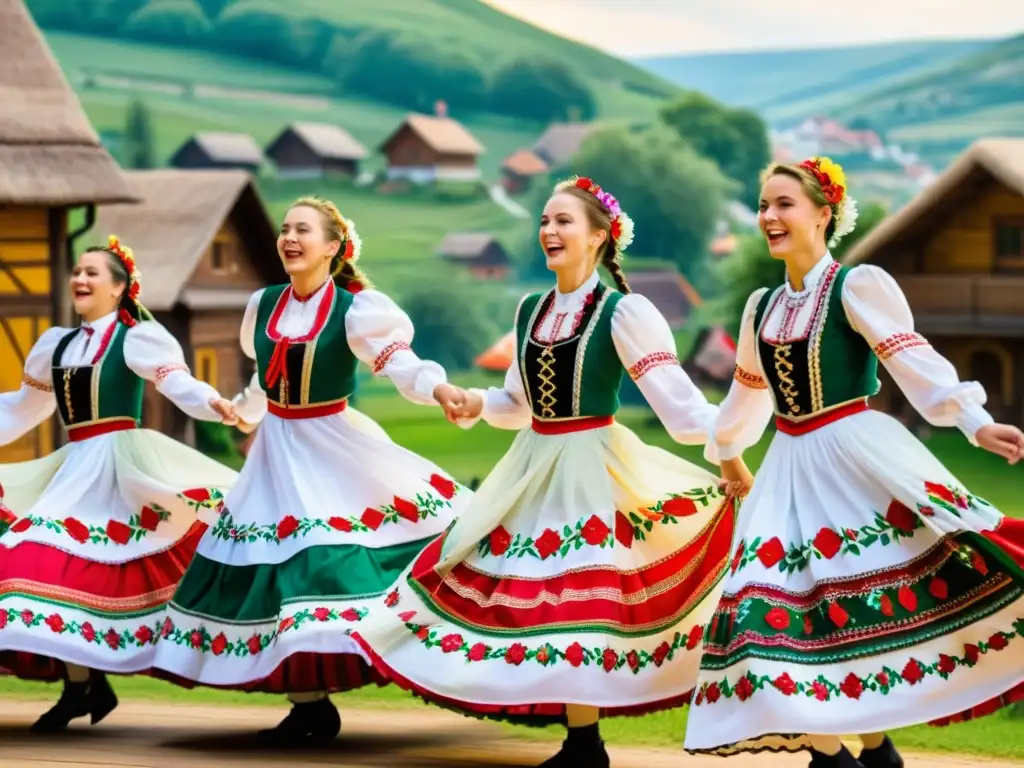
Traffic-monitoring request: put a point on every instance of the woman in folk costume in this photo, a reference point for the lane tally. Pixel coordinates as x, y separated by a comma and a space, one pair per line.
327, 510
579, 579
869, 589
95, 537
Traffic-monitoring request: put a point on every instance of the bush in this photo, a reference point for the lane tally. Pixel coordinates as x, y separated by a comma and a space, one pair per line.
270, 36
70, 15
543, 91
175, 22
217, 441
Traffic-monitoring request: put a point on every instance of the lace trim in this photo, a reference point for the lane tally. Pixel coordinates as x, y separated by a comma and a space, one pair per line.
748, 379
387, 353
899, 342
651, 361
28, 381
166, 370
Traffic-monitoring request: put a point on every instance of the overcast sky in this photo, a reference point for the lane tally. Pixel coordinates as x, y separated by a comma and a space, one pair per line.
653, 27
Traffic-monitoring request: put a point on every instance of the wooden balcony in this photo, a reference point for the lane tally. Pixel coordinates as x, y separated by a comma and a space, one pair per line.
966, 305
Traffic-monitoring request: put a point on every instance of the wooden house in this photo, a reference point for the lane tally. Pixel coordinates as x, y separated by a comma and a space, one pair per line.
479, 252
204, 243
520, 169
51, 162
429, 148
957, 251
561, 142
314, 150
669, 291
236, 151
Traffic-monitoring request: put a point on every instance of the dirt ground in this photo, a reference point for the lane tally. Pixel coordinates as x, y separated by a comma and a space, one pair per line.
139, 735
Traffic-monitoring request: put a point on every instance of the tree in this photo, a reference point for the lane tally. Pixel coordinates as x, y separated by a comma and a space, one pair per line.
212, 8
139, 149
736, 139
541, 90
270, 35
456, 318
71, 15
178, 22
107, 15
674, 195
751, 266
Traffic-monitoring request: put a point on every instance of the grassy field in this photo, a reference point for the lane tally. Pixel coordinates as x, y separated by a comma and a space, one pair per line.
471, 454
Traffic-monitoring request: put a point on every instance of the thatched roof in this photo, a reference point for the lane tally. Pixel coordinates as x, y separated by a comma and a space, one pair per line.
224, 147
524, 162
986, 161
442, 134
181, 213
669, 291
464, 245
561, 141
328, 142
49, 152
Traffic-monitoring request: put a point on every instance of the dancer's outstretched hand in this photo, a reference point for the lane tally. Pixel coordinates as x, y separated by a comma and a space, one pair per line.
458, 404
736, 478
1003, 440
226, 410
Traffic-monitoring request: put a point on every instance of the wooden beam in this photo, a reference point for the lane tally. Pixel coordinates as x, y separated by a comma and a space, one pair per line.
20, 305
61, 309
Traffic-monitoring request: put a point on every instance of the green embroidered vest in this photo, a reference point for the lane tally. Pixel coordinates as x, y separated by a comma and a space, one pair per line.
320, 368
575, 377
102, 390
829, 366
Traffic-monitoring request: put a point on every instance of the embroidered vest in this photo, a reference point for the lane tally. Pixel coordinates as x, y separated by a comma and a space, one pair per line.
829, 366
575, 377
316, 369
102, 390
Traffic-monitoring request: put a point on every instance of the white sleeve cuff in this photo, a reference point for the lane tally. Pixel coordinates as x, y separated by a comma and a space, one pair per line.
971, 419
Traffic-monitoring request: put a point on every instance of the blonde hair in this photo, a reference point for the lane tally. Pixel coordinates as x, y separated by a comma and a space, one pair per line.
811, 186
600, 218
344, 270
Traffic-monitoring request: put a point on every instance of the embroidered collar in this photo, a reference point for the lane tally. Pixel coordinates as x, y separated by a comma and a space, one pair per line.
812, 278
97, 327
304, 299
564, 301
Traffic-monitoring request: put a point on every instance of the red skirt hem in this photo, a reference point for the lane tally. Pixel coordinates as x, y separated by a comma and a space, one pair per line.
1009, 698
527, 713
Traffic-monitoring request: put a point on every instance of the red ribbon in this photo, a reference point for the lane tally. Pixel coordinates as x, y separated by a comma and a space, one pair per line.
278, 367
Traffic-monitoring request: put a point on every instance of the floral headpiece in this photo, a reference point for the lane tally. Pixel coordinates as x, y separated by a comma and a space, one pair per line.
353, 245
832, 179
124, 253
622, 225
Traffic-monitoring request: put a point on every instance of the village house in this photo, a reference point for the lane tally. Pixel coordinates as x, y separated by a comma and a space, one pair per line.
204, 243
51, 162
561, 142
237, 151
429, 148
520, 169
957, 251
669, 291
314, 150
482, 254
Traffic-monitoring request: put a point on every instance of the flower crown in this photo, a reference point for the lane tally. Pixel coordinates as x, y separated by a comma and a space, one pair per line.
352, 243
124, 253
832, 179
622, 225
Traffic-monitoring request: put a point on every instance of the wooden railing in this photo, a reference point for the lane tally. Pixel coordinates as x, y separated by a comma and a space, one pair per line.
976, 299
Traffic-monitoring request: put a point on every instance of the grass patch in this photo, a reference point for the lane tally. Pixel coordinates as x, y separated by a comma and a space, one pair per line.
471, 454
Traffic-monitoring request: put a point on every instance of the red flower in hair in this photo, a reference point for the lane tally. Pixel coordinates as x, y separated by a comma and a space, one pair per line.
354, 286
133, 292
616, 229
349, 250
126, 318
584, 183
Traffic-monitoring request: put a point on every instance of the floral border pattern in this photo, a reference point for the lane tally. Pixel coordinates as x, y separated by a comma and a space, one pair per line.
576, 654
372, 519
116, 640
595, 532
139, 525
899, 522
853, 686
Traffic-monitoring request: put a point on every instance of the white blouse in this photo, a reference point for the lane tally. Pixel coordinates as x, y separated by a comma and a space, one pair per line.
877, 309
379, 334
645, 346
149, 351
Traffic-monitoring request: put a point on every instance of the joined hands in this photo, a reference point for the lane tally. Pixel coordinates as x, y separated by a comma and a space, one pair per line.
459, 404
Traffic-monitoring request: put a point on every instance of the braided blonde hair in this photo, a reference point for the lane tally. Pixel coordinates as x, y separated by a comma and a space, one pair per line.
344, 269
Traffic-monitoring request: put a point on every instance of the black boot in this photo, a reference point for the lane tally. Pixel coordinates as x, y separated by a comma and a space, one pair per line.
102, 699
73, 703
582, 748
843, 760
884, 756
315, 722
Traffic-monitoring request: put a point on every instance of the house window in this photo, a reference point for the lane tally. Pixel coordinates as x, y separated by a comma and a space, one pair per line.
206, 365
1009, 245
219, 257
